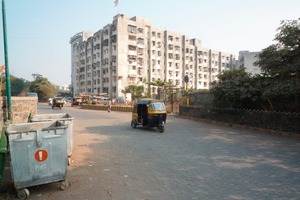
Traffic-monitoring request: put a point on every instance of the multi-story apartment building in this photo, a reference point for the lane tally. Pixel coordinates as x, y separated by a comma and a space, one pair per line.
131, 51
246, 60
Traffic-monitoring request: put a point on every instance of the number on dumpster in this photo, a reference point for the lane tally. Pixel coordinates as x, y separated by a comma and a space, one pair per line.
41, 155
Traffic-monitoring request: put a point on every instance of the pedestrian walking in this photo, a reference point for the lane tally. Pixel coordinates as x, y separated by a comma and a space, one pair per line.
109, 105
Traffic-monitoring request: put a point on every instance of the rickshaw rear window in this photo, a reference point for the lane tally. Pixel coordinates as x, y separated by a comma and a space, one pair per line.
157, 106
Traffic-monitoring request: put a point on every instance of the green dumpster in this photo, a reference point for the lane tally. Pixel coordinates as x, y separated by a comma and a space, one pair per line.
3, 152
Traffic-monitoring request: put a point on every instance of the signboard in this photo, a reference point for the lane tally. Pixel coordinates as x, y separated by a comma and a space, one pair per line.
41, 155
186, 79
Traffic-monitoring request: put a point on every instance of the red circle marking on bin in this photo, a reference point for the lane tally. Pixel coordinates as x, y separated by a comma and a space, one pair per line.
41, 155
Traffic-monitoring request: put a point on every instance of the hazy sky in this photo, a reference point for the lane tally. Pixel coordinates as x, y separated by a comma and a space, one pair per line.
39, 31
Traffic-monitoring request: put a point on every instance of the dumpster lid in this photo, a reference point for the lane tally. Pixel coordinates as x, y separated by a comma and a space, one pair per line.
34, 126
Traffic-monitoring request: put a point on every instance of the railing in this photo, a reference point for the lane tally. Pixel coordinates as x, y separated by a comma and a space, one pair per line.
279, 121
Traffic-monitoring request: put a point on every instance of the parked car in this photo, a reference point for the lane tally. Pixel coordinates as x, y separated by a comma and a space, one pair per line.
32, 94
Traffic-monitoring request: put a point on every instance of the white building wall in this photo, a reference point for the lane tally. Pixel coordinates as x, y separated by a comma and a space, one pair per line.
173, 58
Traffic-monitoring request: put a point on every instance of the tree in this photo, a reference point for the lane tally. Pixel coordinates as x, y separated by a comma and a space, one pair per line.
164, 88
136, 91
235, 89
283, 58
280, 63
18, 85
42, 87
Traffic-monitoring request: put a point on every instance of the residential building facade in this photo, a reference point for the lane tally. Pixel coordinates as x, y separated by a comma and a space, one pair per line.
246, 60
131, 51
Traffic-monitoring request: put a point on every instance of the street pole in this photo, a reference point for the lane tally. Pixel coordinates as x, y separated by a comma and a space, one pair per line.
187, 92
7, 76
186, 80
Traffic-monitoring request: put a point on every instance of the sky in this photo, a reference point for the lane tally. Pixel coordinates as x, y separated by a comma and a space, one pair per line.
39, 31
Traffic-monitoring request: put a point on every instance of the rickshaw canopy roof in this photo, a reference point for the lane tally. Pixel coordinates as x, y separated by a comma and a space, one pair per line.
147, 101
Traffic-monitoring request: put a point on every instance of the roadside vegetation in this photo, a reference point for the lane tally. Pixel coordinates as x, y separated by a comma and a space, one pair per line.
277, 88
20, 87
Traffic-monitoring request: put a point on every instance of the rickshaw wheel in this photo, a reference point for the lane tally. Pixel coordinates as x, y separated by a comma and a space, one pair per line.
161, 129
133, 124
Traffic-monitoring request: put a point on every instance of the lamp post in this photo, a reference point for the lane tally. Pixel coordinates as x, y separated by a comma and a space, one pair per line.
7, 76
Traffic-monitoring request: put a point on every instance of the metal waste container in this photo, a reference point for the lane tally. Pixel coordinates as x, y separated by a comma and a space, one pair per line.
3, 153
38, 152
65, 119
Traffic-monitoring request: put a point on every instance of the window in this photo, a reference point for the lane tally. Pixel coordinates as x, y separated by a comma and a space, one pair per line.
132, 48
140, 30
157, 106
106, 32
140, 41
131, 29
113, 27
131, 37
113, 38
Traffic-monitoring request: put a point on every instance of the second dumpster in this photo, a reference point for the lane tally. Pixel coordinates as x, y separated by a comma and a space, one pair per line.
66, 119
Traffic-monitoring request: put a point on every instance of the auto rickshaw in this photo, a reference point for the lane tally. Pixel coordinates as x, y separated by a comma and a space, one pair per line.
76, 101
58, 102
149, 113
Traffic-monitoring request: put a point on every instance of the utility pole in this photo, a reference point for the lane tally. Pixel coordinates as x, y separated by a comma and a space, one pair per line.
7, 76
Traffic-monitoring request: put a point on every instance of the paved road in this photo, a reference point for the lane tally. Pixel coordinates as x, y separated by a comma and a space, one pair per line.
191, 160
